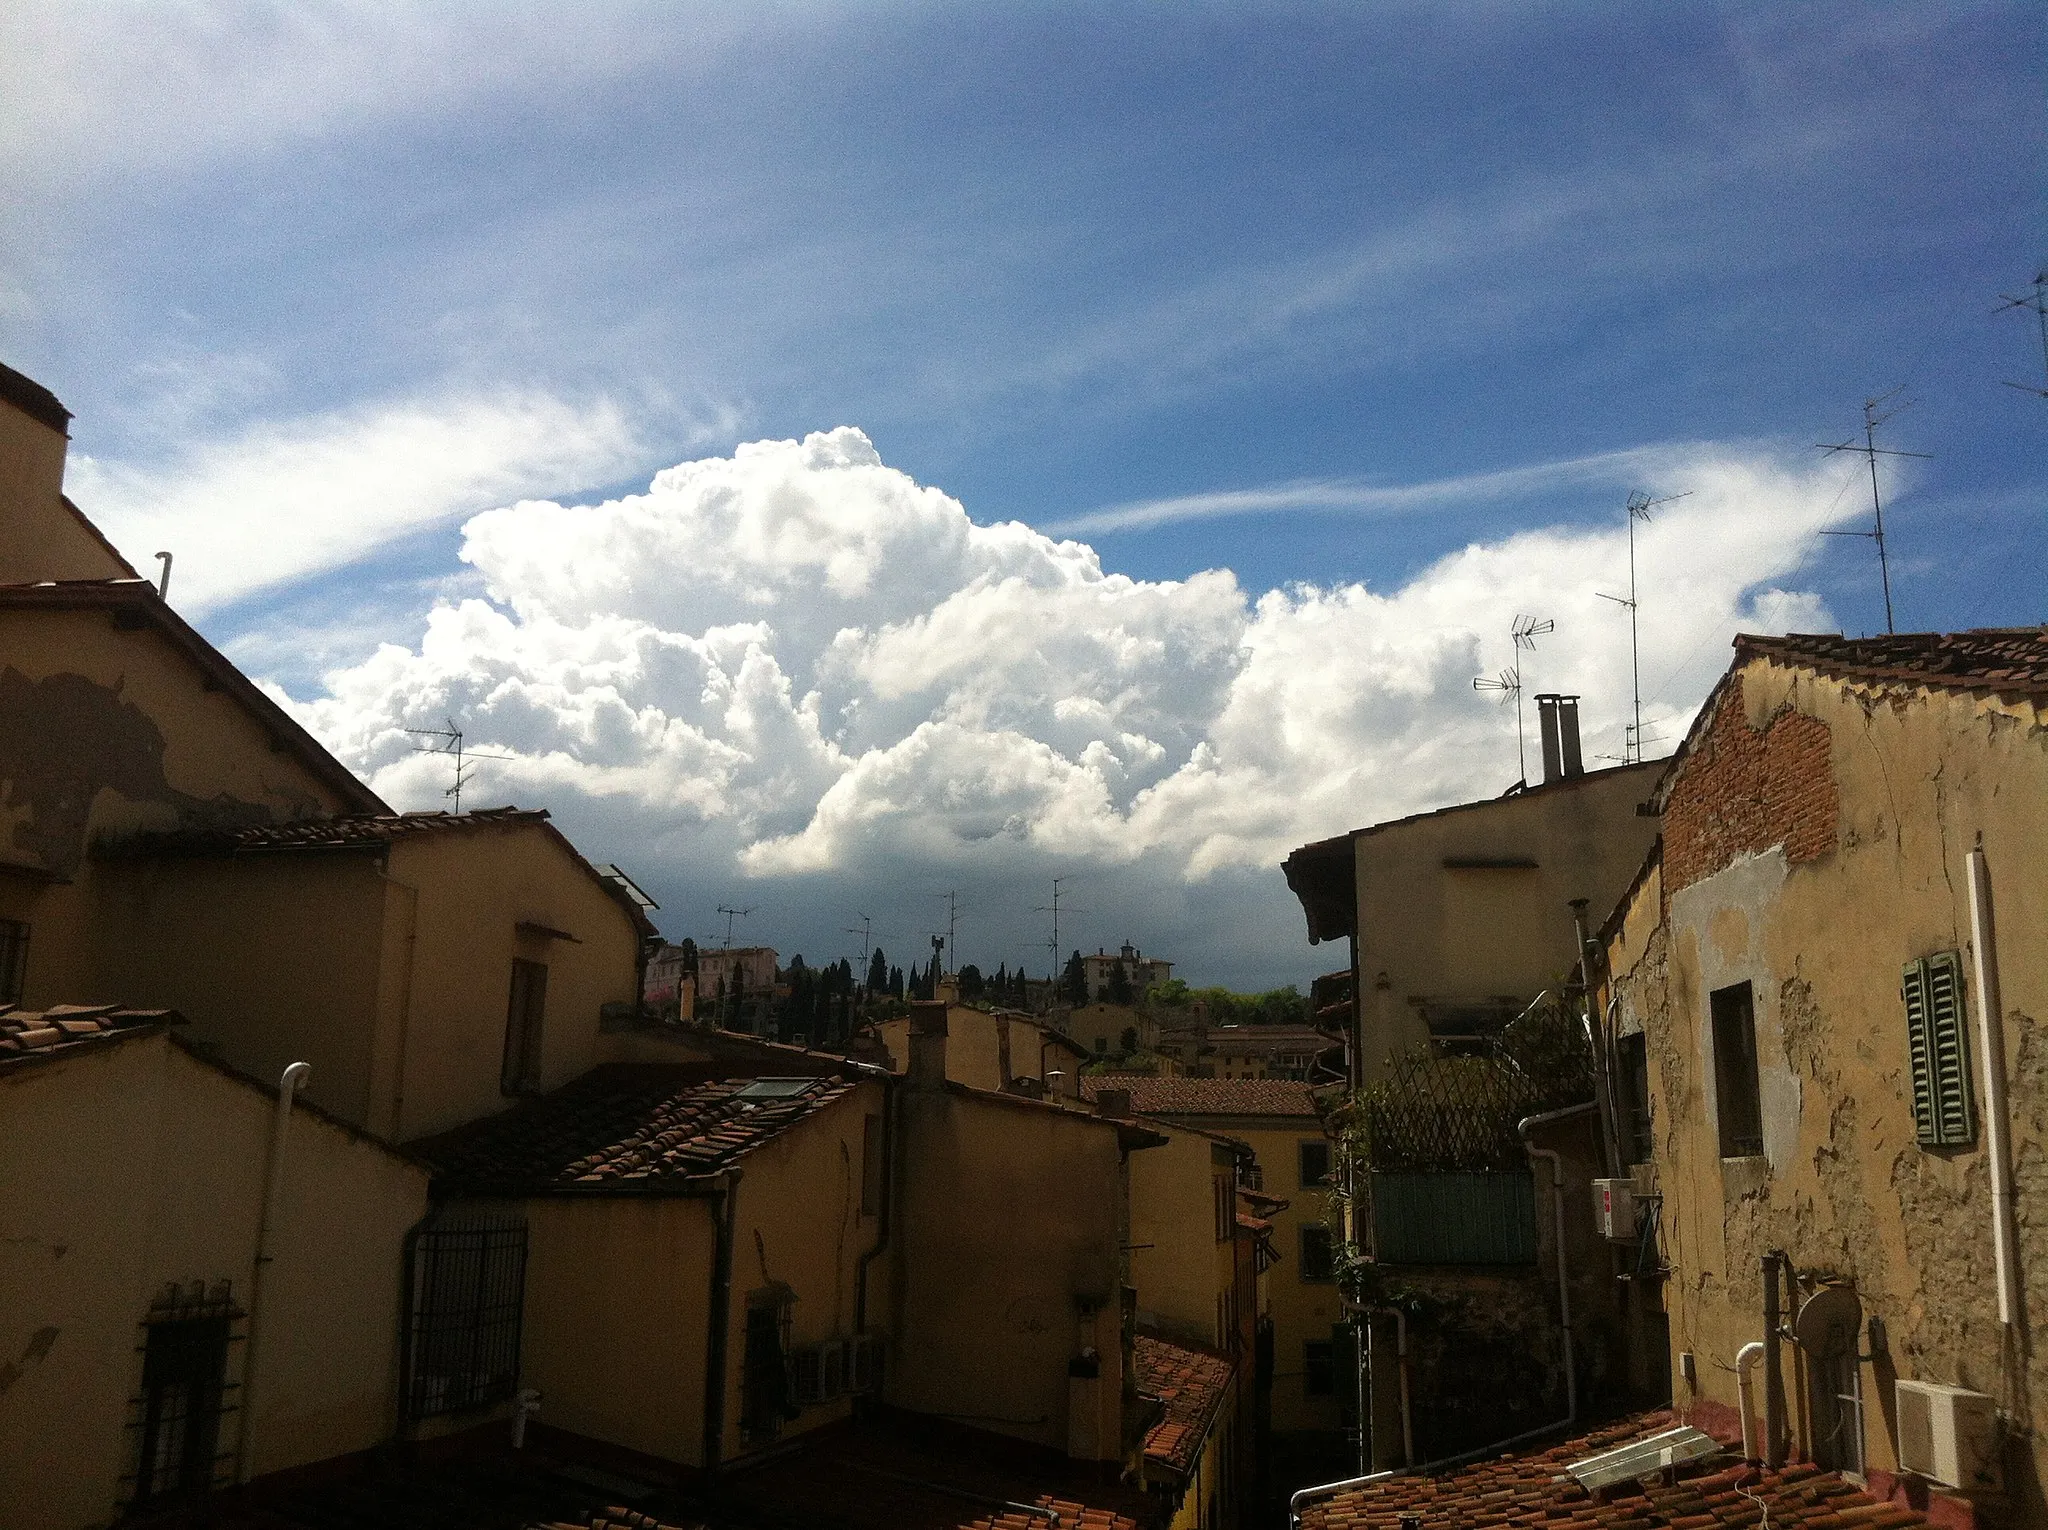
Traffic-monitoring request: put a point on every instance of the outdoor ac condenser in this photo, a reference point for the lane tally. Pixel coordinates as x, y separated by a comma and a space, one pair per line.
1948, 1434
1614, 1209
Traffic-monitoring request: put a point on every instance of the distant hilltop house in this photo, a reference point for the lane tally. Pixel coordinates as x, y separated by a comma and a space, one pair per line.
1140, 971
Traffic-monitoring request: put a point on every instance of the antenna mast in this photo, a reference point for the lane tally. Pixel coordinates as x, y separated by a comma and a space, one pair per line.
952, 919
1053, 945
2037, 300
453, 746
1639, 507
865, 925
1523, 633
1870, 451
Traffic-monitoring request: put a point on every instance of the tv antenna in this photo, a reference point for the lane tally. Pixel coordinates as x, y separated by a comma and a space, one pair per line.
451, 744
1053, 908
1870, 451
1522, 632
952, 920
866, 924
730, 915
1639, 507
2037, 300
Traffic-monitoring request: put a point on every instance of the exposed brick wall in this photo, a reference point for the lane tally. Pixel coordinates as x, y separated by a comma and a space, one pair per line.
1743, 790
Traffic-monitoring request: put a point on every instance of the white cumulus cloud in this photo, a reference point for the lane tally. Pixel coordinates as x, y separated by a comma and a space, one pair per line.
797, 668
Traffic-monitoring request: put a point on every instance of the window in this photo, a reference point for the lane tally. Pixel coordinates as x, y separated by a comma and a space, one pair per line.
1101, 1045
466, 1292
1319, 1367
1315, 1164
1735, 1085
184, 1385
13, 959
766, 1395
1633, 1059
1318, 1261
523, 1013
871, 1166
1944, 1108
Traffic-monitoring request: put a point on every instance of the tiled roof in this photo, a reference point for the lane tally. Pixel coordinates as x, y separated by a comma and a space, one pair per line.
1192, 1383
1531, 1490
136, 601
2005, 660
33, 399
1216, 1096
62, 1029
910, 1472
368, 831
624, 1126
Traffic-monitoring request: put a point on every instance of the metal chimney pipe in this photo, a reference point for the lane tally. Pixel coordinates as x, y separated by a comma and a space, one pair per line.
1568, 735
1546, 719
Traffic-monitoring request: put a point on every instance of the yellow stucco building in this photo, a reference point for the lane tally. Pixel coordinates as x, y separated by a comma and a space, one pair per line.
1825, 986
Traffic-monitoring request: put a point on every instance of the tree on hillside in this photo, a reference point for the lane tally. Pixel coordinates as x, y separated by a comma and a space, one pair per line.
878, 973
971, 985
1074, 981
1118, 989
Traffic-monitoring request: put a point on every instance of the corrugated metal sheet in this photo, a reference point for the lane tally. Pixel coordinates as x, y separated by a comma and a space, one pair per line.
1454, 1218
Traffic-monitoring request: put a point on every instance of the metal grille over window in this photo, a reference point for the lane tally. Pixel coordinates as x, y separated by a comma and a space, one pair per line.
185, 1392
1944, 1105
466, 1281
13, 959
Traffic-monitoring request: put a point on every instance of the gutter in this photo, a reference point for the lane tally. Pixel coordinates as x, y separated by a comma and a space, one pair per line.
720, 1323
884, 1212
289, 1083
1997, 1121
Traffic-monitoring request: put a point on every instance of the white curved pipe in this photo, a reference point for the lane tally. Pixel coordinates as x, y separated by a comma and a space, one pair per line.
524, 1406
289, 1083
1745, 1402
1564, 1288
1997, 1126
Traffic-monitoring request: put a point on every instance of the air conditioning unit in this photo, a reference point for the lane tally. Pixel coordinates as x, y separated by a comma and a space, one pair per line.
1948, 1434
1614, 1209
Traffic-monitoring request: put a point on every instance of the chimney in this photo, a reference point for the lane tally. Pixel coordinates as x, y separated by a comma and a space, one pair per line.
927, 1044
1113, 1103
1558, 718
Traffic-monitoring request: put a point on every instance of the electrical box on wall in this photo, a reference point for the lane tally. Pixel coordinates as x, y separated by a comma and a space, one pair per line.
1948, 1434
1614, 1209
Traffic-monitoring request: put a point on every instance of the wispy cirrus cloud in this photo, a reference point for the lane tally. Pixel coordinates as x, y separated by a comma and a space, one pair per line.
277, 500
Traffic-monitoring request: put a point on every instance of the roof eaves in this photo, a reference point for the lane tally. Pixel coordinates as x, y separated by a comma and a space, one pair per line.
34, 400
139, 596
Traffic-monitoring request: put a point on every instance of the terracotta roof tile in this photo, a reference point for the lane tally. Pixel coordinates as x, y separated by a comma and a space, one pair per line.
2004, 660
1192, 1383
63, 1029
1216, 1096
1530, 1489
625, 1126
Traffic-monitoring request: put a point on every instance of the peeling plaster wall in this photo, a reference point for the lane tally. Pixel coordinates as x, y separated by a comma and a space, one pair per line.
1821, 926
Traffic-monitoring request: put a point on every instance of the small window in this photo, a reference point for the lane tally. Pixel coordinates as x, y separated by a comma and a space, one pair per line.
1633, 1058
1318, 1264
1315, 1164
1319, 1367
524, 1011
1101, 1045
1735, 1078
767, 1396
13, 960
465, 1300
184, 1386
1944, 1105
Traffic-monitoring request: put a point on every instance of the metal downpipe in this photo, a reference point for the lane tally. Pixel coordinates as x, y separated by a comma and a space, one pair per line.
289, 1083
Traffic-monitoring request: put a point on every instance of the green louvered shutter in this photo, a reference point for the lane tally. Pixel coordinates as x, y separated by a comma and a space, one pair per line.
1955, 1116
1920, 1053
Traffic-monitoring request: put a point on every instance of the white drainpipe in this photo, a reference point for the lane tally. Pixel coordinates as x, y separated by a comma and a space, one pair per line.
288, 1086
1745, 1403
1991, 1050
524, 1406
1564, 1288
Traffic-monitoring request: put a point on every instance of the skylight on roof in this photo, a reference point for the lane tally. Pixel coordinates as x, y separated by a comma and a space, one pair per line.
776, 1088
1641, 1458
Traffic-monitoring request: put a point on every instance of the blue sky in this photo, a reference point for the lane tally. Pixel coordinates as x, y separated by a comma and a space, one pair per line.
1312, 294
